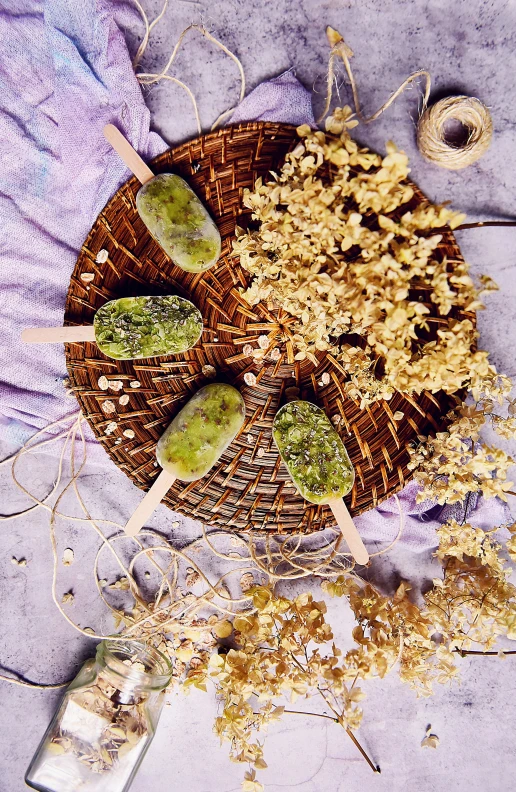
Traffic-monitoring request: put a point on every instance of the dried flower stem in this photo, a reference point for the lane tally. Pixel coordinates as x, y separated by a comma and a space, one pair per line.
464, 652
508, 223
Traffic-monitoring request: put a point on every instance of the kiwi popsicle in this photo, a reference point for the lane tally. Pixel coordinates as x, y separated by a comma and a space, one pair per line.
193, 443
140, 327
179, 222
132, 327
313, 452
318, 463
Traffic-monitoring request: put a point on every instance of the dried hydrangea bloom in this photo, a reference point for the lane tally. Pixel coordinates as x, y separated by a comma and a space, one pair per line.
337, 251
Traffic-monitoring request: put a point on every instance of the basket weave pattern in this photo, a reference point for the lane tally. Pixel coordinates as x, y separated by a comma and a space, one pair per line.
249, 488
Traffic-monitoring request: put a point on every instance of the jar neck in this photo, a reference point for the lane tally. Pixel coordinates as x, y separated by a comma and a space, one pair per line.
133, 666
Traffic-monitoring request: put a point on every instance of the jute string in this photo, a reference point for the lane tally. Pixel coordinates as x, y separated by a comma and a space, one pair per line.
270, 559
432, 139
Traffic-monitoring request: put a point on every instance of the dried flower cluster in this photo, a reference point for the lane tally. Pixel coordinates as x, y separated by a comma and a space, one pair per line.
336, 250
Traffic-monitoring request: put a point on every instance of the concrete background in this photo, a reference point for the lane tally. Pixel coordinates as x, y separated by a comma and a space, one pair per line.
468, 46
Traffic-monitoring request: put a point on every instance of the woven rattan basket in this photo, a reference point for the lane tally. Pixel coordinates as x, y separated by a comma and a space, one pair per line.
249, 489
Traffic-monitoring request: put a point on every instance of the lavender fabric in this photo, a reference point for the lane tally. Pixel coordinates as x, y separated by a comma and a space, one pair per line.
66, 72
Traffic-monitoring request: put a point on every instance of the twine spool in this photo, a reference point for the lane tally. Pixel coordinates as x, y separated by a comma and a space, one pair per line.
432, 139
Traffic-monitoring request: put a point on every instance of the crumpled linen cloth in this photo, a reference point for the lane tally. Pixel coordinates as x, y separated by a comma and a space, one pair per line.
65, 72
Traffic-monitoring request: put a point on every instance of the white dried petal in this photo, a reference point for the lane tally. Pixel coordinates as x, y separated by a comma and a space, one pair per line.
118, 441
263, 342
336, 419
249, 438
249, 378
116, 385
87, 277
247, 349
135, 384
325, 378
108, 406
129, 433
209, 371
260, 452
398, 415
68, 556
102, 256
110, 428
124, 399
275, 354
103, 382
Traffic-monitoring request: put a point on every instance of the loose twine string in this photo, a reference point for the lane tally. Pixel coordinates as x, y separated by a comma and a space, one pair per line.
432, 139
269, 559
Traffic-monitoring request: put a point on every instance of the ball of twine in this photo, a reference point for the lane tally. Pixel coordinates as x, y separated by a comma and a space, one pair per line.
431, 132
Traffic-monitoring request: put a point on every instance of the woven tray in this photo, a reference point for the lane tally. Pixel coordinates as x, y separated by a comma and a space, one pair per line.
249, 489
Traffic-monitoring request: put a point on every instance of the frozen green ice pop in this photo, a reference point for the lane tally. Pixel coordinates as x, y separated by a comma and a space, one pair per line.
318, 463
193, 443
133, 327
172, 212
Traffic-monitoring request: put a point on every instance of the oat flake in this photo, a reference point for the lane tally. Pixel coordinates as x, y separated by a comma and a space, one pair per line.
135, 384
249, 378
87, 277
124, 399
247, 349
102, 256
103, 383
129, 433
108, 406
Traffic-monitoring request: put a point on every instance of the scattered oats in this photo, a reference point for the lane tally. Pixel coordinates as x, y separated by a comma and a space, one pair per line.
68, 556
263, 342
135, 384
249, 378
129, 433
102, 256
103, 383
275, 353
250, 438
68, 597
89, 631
118, 441
431, 740
246, 581
19, 561
209, 371
108, 406
260, 452
116, 385
325, 379
247, 349
87, 277
192, 577
110, 428
122, 584
398, 415
124, 399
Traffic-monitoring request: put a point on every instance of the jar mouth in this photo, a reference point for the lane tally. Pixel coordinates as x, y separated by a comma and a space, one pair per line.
156, 671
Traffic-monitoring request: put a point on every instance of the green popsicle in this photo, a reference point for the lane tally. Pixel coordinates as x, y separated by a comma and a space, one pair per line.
140, 327
179, 222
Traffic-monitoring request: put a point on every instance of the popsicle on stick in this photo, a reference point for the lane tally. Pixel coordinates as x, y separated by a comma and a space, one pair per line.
318, 463
132, 327
193, 443
170, 209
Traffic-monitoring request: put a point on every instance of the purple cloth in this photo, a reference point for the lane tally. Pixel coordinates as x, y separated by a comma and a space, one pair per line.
65, 73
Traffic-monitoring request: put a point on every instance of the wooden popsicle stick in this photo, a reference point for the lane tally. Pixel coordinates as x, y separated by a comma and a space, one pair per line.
349, 531
150, 502
126, 152
54, 335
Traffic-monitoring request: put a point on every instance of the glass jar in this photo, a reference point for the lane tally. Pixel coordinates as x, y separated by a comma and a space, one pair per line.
106, 722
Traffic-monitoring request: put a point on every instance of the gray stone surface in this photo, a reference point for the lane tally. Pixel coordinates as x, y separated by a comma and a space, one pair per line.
468, 47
